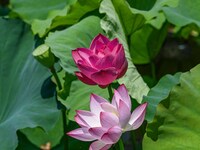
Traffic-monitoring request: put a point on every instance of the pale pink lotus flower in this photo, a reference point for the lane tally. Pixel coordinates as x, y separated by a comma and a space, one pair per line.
105, 122
101, 63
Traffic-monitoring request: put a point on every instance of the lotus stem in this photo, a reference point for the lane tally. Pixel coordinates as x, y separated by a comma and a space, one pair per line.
121, 145
53, 71
63, 109
110, 92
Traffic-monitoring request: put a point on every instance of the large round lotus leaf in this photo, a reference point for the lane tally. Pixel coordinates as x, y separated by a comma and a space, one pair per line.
180, 116
21, 78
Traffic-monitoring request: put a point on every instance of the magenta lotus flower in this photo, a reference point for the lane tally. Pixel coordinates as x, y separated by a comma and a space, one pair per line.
102, 63
105, 122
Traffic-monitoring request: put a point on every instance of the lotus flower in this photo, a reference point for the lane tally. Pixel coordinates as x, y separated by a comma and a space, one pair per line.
105, 122
102, 63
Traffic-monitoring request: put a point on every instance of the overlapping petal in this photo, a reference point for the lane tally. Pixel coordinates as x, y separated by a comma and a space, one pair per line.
105, 122
123, 92
105, 62
102, 63
84, 78
108, 74
108, 119
137, 117
123, 69
95, 104
107, 107
119, 59
124, 114
89, 118
81, 134
84, 53
112, 44
86, 69
112, 135
97, 132
99, 38
99, 145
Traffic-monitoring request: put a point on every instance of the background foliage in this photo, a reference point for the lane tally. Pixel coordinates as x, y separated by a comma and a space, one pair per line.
160, 37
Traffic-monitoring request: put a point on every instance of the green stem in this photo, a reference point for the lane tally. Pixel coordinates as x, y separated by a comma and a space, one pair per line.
64, 118
118, 146
63, 110
110, 92
53, 71
121, 145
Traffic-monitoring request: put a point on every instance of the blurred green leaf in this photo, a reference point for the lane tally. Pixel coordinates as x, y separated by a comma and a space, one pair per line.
158, 93
180, 116
115, 27
155, 15
189, 30
141, 4
78, 35
146, 43
28, 10
71, 14
79, 97
51, 14
185, 13
131, 22
21, 79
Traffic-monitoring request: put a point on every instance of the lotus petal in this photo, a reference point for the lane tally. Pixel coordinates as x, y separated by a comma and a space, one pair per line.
81, 134
99, 145
137, 117
89, 118
112, 135
84, 78
95, 104
104, 77
108, 119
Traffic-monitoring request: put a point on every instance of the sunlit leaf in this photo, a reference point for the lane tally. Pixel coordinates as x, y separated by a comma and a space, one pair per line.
180, 116
28, 10
155, 15
185, 13
67, 16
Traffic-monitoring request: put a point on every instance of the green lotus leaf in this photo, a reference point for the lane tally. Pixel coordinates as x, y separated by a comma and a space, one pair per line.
178, 117
21, 78
159, 93
185, 13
